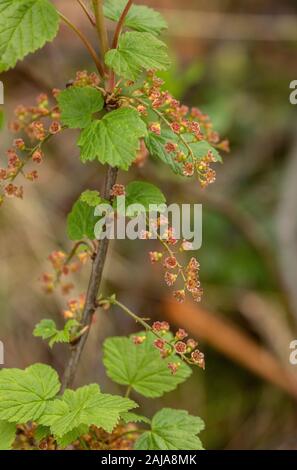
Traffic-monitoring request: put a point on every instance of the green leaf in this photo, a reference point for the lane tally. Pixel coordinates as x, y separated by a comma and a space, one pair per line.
140, 192
87, 406
172, 430
156, 147
81, 221
92, 198
137, 52
47, 329
114, 139
202, 148
42, 432
140, 17
72, 436
78, 104
25, 393
25, 26
141, 366
134, 418
7, 435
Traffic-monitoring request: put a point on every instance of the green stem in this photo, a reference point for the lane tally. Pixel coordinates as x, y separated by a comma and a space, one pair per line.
128, 391
86, 42
112, 79
92, 20
100, 26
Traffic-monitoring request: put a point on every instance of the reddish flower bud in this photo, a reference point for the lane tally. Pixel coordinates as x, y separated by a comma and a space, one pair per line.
155, 256
181, 334
175, 126
155, 127
138, 339
192, 344
170, 147
174, 366
198, 358
161, 326
159, 344
37, 156
20, 144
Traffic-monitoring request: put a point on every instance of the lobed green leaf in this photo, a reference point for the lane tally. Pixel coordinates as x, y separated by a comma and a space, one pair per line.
137, 52
114, 139
172, 430
140, 17
24, 394
85, 406
25, 26
141, 366
7, 435
78, 105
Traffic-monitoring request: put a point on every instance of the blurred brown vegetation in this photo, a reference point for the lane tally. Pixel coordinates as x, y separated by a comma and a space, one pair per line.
235, 60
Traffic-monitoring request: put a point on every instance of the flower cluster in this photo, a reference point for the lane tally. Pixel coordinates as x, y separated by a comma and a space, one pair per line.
75, 308
179, 344
174, 270
188, 126
29, 121
63, 264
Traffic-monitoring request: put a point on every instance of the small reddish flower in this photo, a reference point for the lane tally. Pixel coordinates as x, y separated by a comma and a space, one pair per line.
175, 126
20, 144
170, 278
192, 344
118, 190
155, 127
138, 339
174, 366
170, 262
181, 334
180, 347
188, 169
179, 295
37, 156
170, 147
161, 326
142, 109
198, 358
32, 176
193, 264
55, 128
159, 344
38, 131
155, 256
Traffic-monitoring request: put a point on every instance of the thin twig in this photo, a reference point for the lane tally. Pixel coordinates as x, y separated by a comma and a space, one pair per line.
119, 27
85, 9
86, 42
92, 293
121, 24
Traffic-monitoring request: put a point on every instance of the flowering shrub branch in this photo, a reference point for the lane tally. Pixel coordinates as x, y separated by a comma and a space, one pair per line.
124, 114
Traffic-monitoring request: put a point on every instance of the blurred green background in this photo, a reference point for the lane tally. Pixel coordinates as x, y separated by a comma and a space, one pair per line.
234, 60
